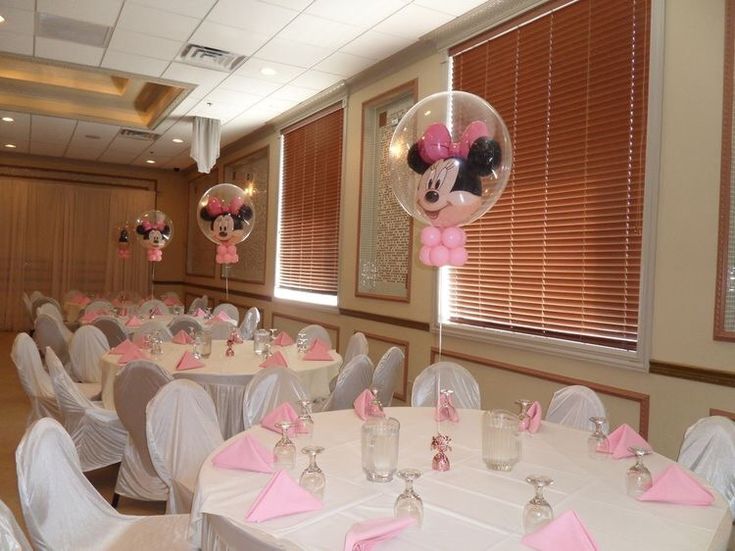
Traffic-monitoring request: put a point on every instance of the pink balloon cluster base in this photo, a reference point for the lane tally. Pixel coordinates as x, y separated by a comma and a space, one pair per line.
443, 246
123, 253
227, 254
154, 255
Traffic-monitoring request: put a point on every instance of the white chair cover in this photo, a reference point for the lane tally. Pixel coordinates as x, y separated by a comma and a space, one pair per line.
229, 309
221, 330
171, 294
112, 328
98, 435
63, 511
269, 388
144, 310
186, 323
387, 373
87, 346
446, 375
201, 302
574, 405
314, 332
40, 301
709, 450
34, 379
50, 309
29, 307
355, 377
70, 294
99, 306
150, 327
357, 345
182, 429
135, 385
250, 323
35, 295
51, 332
12, 537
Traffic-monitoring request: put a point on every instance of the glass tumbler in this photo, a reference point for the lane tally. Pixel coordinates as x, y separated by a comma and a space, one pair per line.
260, 339
380, 448
501, 443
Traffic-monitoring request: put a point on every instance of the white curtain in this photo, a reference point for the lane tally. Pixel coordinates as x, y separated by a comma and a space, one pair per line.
205, 142
56, 236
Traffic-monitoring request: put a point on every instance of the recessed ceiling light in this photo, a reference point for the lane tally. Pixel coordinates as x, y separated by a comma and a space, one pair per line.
10, 145
268, 71
177, 140
8, 119
150, 161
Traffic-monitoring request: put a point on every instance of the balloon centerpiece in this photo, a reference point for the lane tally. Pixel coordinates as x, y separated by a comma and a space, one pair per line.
226, 217
154, 231
122, 240
450, 158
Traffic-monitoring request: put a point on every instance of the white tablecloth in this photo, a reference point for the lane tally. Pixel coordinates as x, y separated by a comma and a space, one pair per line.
226, 378
165, 319
467, 508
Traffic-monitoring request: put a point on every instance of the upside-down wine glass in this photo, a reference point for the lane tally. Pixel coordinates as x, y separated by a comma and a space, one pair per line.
638, 478
409, 504
523, 417
537, 512
306, 422
597, 443
313, 479
284, 450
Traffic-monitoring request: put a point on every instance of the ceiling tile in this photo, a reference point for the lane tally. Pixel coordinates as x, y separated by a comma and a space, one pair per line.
182, 160
16, 43
68, 51
164, 146
317, 31
102, 12
106, 133
270, 106
364, 14
290, 53
16, 132
185, 106
192, 8
160, 161
231, 39
29, 5
254, 66
316, 80
297, 5
84, 153
252, 15
20, 147
376, 45
250, 85
17, 21
156, 22
46, 148
344, 64
222, 95
293, 93
413, 22
220, 110
205, 79
51, 129
136, 64
129, 145
131, 42
117, 156
455, 7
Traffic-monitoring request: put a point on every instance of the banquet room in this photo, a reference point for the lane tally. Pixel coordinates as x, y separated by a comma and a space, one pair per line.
392, 275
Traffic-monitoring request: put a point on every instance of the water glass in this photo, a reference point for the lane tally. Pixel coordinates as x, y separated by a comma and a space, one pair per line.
380, 448
501, 443
597, 444
537, 512
261, 338
638, 478
206, 348
284, 450
313, 479
409, 504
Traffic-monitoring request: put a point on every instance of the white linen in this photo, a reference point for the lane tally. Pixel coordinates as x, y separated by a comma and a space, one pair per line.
149, 328
98, 435
112, 328
33, 378
250, 323
268, 389
87, 346
387, 373
12, 537
574, 405
205, 138
229, 309
185, 322
352, 380
468, 507
357, 345
450, 376
314, 332
51, 332
64, 512
181, 428
709, 450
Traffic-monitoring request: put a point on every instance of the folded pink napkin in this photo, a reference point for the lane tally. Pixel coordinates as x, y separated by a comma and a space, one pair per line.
283, 412
134, 321
132, 354
318, 344
281, 496
81, 300
565, 533
123, 347
283, 339
318, 351
675, 485
182, 337
363, 536
622, 438
221, 316
364, 406
89, 317
200, 313
171, 301
445, 410
276, 360
246, 454
533, 422
188, 361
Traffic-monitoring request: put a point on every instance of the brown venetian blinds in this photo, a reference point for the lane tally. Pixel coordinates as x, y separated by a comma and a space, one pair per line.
310, 193
560, 253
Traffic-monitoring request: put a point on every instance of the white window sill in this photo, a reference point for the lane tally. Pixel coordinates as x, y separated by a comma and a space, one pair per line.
299, 298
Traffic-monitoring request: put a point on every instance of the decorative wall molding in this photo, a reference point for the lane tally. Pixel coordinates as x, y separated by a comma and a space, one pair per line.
236, 292
691, 373
722, 413
400, 322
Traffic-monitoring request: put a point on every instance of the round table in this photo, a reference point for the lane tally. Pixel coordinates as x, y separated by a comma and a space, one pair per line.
225, 378
165, 319
468, 507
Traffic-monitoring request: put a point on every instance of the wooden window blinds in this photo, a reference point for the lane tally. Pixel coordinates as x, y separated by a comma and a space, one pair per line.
310, 203
559, 255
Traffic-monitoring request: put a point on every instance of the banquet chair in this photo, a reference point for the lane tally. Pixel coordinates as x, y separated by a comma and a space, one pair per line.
29, 308
450, 376
33, 378
574, 405
221, 330
87, 346
229, 309
314, 332
99, 306
135, 385
708, 450
201, 302
64, 512
181, 429
40, 301
357, 345
145, 309
51, 332
269, 388
49, 308
387, 373
151, 327
172, 295
36, 295
12, 537
250, 323
112, 328
354, 378
97, 433
186, 323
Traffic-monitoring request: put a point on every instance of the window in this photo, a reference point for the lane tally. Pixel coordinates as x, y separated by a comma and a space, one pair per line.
308, 225
559, 255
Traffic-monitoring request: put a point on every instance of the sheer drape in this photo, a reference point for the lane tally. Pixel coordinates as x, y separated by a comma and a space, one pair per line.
56, 236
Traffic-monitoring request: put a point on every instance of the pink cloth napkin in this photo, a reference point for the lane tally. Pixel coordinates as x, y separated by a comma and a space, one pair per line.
533, 423
565, 533
125, 346
675, 485
363, 536
445, 410
81, 300
182, 337
281, 496
188, 361
135, 321
200, 313
318, 351
246, 454
623, 438
364, 406
221, 316
89, 317
171, 301
283, 412
283, 339
276, 360
132, 354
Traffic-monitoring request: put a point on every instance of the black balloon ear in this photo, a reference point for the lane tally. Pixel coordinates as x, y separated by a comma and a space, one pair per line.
140, 229
204, 215
245, 212
415, 161
483, 156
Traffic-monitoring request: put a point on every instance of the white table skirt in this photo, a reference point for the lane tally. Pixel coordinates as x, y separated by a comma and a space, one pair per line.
225, 378
468, 508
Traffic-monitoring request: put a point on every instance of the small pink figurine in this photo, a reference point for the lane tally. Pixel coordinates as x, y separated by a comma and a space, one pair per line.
440, 443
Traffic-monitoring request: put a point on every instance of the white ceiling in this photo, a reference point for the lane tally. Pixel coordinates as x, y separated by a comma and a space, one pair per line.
310, 44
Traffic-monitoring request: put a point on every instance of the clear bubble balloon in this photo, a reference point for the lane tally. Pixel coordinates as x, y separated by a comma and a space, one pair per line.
226, 216
154, 231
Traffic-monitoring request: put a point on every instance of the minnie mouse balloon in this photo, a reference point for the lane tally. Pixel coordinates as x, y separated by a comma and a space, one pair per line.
154, 231
226, 217
122, 240
450, 158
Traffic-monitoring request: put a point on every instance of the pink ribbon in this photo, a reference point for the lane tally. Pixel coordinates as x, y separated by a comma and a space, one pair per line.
216, 206
437, 144
147, 225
